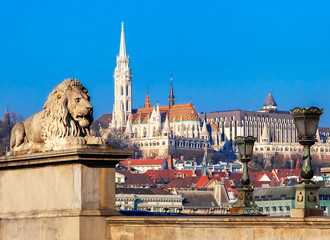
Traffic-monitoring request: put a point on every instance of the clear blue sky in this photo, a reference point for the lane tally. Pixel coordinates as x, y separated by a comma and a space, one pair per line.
222, 54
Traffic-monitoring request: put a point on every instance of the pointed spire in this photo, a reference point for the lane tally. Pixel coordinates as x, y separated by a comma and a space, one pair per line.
122, 51
204, 163
147, 103
6, 117
171, 97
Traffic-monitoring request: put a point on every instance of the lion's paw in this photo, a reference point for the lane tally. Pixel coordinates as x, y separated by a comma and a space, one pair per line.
75, 140
94, 140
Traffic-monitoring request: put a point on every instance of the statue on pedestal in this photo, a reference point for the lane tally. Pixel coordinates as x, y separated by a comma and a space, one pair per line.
63, 123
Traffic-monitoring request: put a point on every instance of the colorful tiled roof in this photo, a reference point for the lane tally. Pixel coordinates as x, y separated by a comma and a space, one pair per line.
186, 111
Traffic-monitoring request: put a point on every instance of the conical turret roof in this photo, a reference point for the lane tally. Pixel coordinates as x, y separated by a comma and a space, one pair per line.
147, 103
270, 100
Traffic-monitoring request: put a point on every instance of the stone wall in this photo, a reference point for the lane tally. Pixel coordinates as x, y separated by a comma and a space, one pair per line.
218, 227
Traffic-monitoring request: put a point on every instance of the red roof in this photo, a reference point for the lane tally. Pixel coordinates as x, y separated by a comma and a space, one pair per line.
180, 183
203, 182
136, 178
136, 162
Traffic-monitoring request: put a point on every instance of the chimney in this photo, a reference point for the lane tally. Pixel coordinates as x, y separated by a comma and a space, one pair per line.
129, 165
298, 164
169, 162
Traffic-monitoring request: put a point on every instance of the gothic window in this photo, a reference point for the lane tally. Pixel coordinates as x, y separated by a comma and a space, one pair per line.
126, 90
122, 91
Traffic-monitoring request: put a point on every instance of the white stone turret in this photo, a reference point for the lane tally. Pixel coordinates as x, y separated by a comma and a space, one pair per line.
265, 135
128, 131
318, 136
166, 129
123, 86
204, 133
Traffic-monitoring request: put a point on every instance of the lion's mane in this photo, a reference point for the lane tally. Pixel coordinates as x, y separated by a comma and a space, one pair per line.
56, 119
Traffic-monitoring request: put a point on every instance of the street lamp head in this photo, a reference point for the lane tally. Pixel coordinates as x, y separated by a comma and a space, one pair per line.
306, 120
245, 146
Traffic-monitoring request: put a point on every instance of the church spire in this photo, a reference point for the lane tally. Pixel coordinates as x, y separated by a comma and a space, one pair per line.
147, 103
123, 86
6, 117
171, 97
122, 50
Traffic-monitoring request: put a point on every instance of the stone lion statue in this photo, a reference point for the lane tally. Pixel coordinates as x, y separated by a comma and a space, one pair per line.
63, 123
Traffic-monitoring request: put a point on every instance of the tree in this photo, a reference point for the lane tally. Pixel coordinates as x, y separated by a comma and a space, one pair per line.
117, 138
5, 129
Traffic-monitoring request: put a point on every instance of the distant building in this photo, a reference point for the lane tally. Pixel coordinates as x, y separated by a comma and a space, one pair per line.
278, 201
206, 202
134, 180
148, 199
275, 131
143, 165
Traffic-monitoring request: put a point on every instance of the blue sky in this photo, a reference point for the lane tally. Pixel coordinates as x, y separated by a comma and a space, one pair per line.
223, 55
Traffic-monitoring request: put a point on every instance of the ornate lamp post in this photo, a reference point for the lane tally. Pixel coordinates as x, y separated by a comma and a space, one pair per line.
245, 202
307, 197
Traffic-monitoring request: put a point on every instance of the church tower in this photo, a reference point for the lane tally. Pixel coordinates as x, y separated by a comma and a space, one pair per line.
123, 86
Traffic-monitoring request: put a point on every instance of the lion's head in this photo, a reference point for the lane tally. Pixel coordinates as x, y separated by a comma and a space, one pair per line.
67, 111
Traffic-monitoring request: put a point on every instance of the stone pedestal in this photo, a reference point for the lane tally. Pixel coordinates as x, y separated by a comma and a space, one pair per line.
307, 201
59, 194
245, 204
